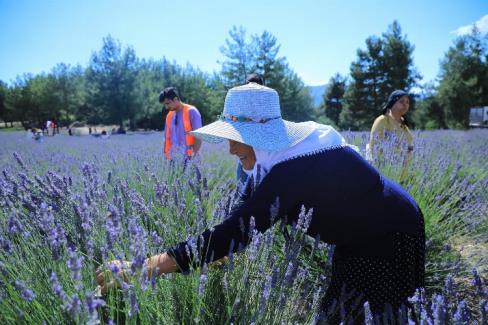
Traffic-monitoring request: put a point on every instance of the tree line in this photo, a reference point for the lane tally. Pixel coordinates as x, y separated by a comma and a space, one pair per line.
352, 102
117, 87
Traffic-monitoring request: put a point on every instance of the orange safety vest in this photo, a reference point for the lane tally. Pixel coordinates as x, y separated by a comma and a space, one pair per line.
189, 139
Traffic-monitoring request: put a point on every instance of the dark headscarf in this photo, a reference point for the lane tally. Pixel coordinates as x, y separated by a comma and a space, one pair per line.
393, 98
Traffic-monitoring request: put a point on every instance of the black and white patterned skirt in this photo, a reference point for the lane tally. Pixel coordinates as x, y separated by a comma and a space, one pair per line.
383, 282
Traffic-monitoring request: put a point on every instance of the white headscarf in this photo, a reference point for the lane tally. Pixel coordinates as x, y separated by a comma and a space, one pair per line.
323, 138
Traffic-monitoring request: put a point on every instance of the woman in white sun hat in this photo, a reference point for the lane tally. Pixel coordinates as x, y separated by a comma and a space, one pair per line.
376, 226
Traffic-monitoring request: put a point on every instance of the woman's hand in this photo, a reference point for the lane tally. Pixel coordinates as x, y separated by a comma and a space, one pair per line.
110, 277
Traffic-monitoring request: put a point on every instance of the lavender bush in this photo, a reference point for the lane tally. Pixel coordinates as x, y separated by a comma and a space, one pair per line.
71, 204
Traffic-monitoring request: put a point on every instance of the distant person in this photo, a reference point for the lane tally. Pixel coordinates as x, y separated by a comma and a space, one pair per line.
35, 134
182, 118
104, 135
49, 124
254, 77
89, 130
390, 130
70, 133
55, 127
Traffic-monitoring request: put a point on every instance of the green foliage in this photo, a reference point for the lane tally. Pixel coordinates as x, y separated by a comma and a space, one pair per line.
332, 102
429, 114
260, 55
464, 78
239, 61
384, 66
111, 77
119, 88
3, 95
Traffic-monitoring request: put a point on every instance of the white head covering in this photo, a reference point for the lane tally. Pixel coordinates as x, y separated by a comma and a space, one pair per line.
323, 138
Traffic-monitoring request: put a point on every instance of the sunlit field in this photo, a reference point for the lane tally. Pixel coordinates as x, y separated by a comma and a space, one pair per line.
70, 204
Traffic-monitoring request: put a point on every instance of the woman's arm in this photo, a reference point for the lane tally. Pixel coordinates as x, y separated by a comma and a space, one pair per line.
160, 264
213, 244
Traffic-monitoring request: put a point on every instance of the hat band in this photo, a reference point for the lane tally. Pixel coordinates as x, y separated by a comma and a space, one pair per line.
234, 118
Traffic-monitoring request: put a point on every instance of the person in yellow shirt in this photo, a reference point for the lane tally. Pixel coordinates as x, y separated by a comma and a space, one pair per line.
390, 132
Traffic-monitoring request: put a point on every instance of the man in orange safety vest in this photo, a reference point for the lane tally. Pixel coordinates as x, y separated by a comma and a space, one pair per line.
181, 119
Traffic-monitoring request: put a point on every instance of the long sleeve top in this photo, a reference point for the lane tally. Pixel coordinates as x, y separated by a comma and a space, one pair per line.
354, 207
386, 124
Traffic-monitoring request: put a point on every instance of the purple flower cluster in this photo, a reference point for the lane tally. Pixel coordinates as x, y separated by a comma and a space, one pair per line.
75, 203
26, 293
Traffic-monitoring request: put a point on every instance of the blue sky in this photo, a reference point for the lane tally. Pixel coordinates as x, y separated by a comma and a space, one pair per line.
318, 38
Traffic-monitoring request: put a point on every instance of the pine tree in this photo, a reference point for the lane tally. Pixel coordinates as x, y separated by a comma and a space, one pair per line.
332, 102
260, 55
464, 78
112, 75
3, 95
384, 66
239, 60
429, 113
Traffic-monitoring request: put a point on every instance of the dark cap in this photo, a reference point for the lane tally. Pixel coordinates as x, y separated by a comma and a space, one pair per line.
254, 77
393, 98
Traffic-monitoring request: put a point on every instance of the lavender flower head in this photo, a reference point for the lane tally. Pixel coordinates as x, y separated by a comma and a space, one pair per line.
74, 264
26, 293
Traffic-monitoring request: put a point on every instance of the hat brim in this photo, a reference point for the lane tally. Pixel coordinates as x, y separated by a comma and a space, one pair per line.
273, 135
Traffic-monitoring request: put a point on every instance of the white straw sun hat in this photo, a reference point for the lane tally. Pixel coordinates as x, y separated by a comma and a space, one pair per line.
252, 116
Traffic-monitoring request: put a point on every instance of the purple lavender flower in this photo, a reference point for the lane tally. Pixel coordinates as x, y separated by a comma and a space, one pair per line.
55, 235
368, 315
203, 280
56, 287
266, 293
252, 251
92, 304
134, 306
304, 219
26, 293
74, 264
83, 214
483, 311
19, 160
449, 286
438, 309
14, 225
138, 239
477, 282
289, 274
112, 225
155, 239
6, 245
462, 314
73, 306
90, 248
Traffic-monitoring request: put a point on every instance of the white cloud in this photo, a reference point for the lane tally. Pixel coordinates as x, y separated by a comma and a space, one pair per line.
482, 25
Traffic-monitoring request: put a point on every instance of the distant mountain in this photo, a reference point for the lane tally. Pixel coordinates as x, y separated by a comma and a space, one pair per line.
317, 92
